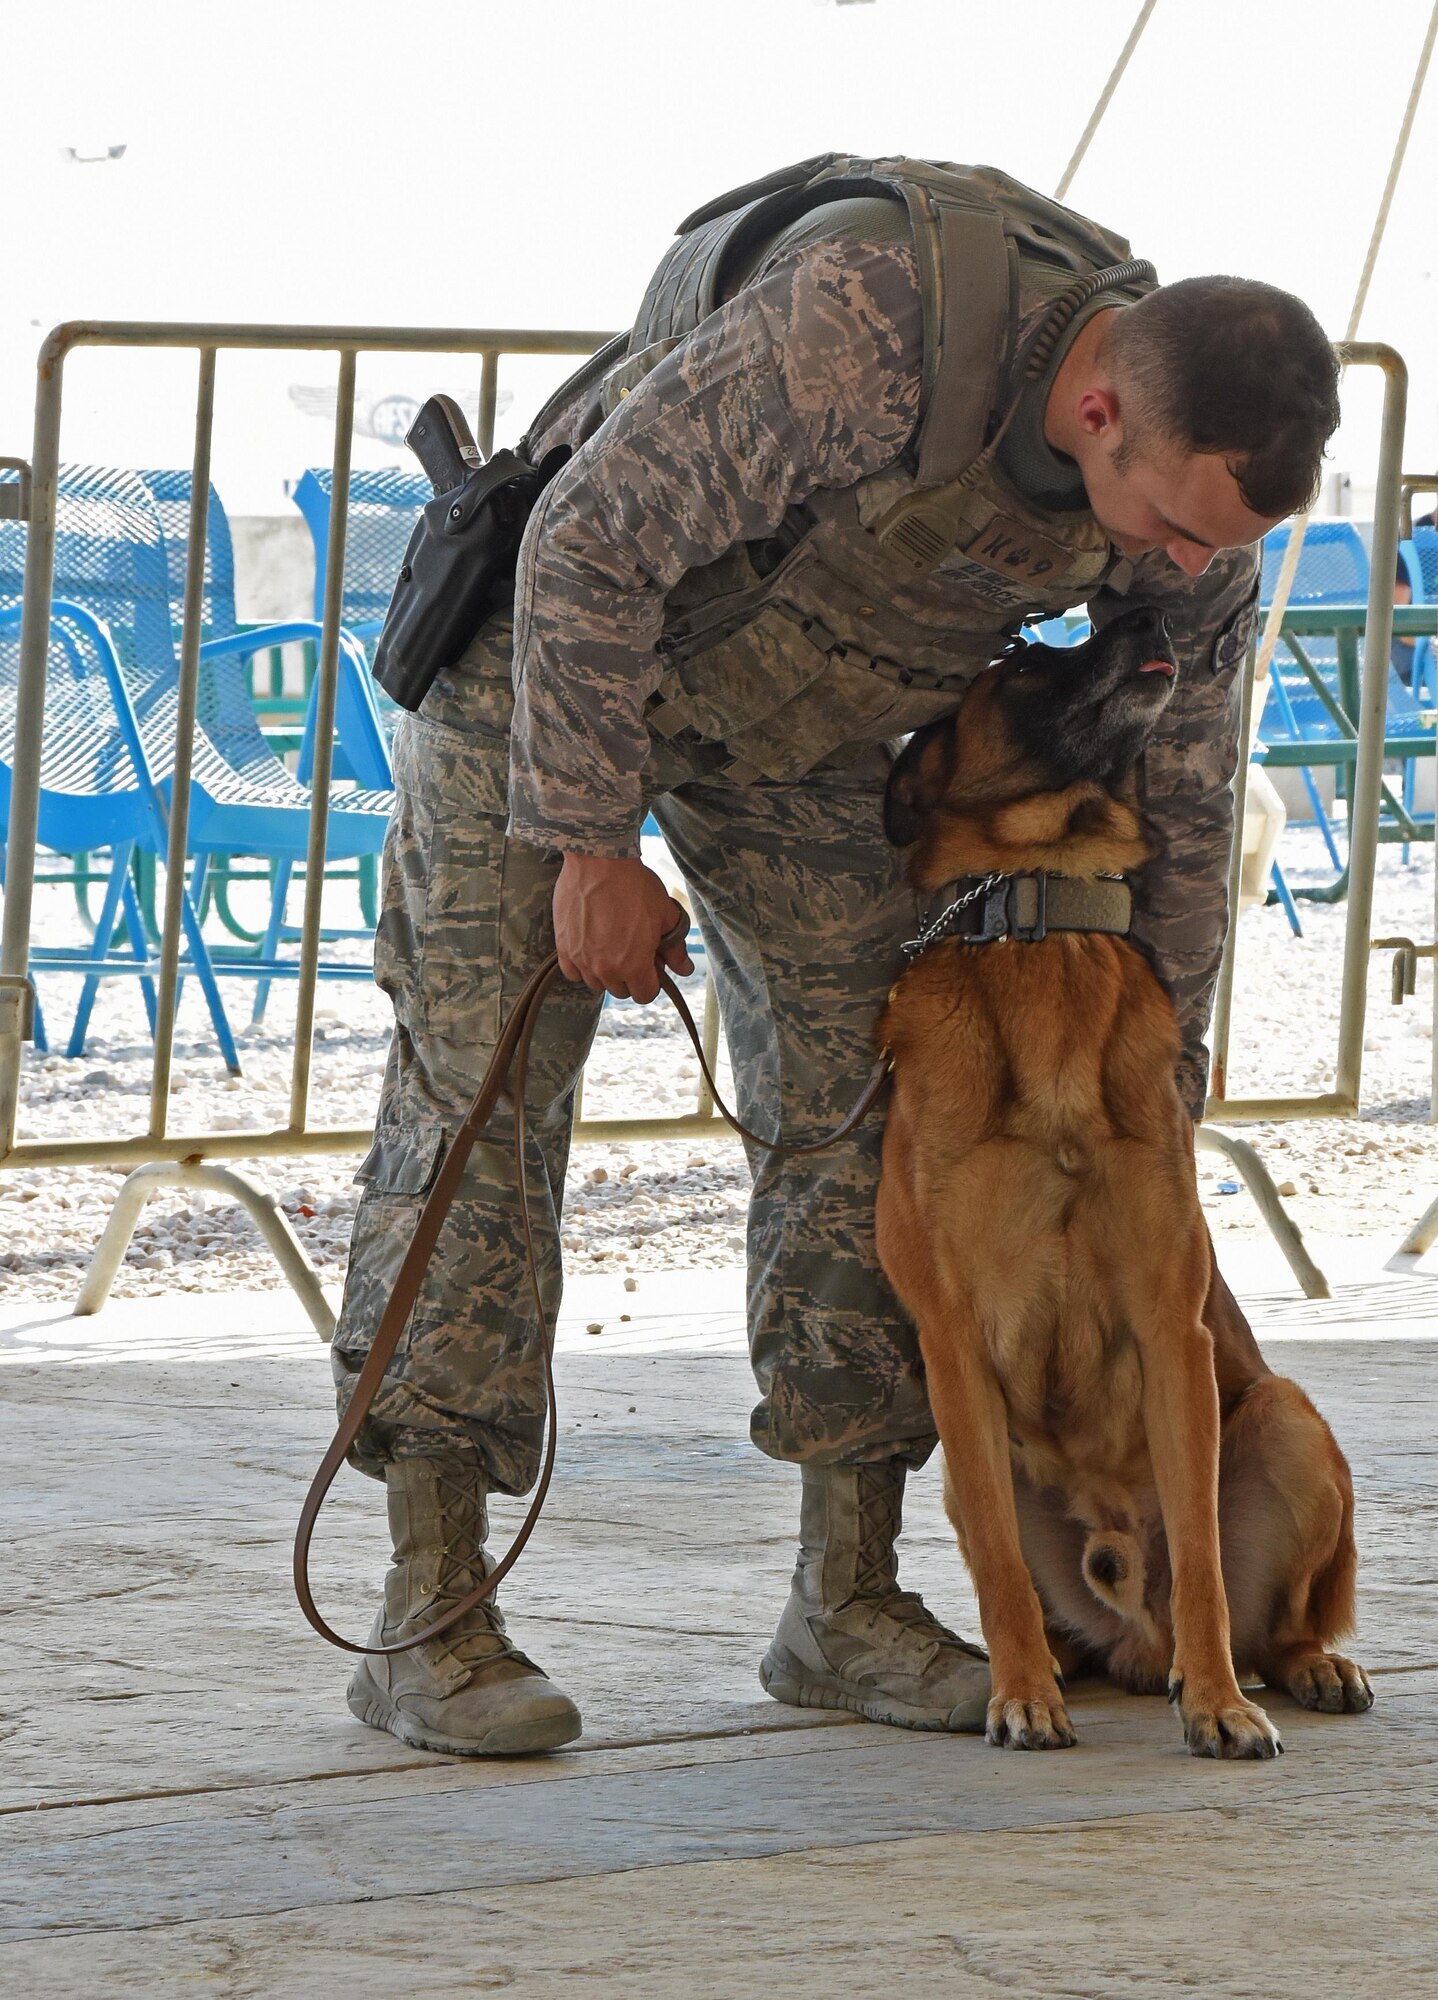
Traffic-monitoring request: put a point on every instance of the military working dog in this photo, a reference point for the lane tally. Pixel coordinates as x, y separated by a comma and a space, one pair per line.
1133, 1489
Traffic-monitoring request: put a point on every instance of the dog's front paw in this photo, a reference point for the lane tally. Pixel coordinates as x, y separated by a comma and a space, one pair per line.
1015, 1724
1223, 1724
1328, 1682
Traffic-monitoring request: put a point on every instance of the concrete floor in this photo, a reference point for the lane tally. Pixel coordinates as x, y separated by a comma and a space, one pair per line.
186, 1804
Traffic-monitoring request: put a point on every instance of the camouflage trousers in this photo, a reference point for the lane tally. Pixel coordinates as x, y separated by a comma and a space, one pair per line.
803, 905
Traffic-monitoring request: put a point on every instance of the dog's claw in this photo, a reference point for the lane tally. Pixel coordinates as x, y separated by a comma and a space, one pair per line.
1332, 1685
1235, 1731
1029, 1725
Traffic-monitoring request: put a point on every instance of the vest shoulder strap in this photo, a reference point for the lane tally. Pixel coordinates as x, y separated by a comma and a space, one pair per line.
973, 229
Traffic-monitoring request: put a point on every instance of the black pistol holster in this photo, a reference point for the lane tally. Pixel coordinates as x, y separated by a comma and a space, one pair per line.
459, 566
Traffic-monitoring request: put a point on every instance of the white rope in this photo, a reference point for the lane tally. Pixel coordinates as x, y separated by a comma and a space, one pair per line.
1289, 570
1066, 178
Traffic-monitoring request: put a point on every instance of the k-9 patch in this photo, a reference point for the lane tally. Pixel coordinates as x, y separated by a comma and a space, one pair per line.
1010, 549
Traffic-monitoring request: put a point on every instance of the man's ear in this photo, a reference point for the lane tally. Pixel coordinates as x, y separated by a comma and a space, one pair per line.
1097, 412
919, 779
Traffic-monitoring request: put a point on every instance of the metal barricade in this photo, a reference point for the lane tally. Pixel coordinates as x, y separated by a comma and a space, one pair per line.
165, 1156
162, 1155
1342, 1101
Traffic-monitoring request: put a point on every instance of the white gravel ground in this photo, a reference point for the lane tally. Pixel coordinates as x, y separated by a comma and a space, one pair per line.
665, 1205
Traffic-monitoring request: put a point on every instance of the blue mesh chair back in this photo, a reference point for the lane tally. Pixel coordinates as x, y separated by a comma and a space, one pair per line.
1423, 565
170, 491
111, 559
90, 790
226, 706
382, 511
1332, 565
1419, 557
360, 753
1333, 568
120, 529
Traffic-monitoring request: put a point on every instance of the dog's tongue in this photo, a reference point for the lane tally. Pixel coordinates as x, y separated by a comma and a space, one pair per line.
1158, 667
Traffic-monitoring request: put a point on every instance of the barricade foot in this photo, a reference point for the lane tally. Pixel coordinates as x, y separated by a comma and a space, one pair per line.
1259, 1182
1421, 1236
268, 1216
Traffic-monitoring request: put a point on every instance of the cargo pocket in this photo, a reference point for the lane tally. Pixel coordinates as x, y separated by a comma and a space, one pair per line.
394, 1176
437, 949
401, 1160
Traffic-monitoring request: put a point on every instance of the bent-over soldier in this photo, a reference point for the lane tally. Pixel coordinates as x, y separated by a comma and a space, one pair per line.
873, 417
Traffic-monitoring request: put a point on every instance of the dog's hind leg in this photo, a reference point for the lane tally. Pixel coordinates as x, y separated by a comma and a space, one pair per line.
1289, 1564
1087, 1633
1079, 1626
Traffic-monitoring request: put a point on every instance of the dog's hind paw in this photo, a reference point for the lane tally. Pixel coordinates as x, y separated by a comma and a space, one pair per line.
1029, 1725
1225, 1728
1328, 1682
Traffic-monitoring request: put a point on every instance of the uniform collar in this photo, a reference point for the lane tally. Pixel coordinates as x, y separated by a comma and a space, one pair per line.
1048, 479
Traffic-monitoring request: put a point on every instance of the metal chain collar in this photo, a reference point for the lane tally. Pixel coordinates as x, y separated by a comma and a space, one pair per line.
943, 923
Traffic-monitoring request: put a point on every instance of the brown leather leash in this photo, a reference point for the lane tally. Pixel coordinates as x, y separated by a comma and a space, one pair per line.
511, 1052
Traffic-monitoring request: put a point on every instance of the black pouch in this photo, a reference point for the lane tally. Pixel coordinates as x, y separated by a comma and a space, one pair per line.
458, 568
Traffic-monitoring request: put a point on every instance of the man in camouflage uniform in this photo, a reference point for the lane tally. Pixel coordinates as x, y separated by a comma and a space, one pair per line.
522, 784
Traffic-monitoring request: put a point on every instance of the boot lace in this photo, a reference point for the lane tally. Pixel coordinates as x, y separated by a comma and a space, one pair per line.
874, 1562
463, 1565
875, 1569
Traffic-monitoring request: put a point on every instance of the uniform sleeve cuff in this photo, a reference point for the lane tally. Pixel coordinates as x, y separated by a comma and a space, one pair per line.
616, 845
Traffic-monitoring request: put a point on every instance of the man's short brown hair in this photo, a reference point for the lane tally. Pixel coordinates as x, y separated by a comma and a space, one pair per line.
1233, 366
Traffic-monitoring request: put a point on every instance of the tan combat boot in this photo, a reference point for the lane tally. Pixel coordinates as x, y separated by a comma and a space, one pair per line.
469, 1693
849, 1637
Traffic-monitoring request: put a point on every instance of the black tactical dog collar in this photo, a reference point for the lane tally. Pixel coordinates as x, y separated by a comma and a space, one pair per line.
987, 909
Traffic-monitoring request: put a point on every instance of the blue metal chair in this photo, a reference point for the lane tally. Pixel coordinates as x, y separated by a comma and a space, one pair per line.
1419, 557
361, 748
243, 799
1333, 569
1058, 632
361, 751
382, 511
383, 507
247, 801
98, 788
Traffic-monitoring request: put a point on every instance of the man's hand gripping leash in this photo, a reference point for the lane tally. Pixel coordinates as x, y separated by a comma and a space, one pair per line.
511, 1053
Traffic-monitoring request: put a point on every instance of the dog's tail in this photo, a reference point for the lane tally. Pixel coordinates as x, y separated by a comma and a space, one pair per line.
1113, 1569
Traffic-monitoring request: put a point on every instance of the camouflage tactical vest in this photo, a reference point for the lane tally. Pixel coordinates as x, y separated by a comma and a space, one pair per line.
876, 605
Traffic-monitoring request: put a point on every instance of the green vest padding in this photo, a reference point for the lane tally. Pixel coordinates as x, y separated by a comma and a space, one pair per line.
974, 229
889, 596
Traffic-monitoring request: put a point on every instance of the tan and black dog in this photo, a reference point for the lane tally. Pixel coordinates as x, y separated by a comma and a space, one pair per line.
1133, 1489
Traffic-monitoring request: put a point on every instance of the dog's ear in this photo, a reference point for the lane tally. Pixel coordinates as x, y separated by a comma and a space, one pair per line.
919, 779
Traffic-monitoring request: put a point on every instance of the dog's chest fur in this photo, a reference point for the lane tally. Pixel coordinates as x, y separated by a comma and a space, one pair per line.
1053, 1062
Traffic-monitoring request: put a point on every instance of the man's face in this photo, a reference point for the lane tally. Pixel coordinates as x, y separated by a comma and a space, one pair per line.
1186, 503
